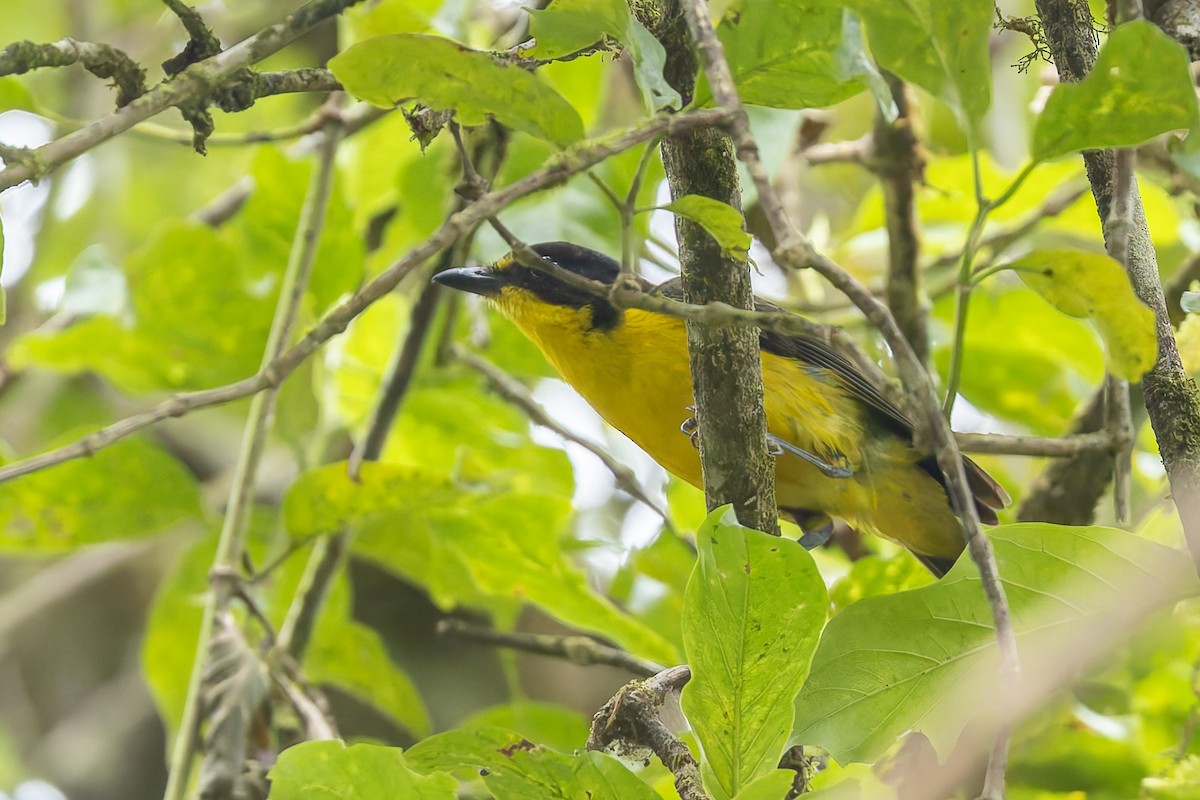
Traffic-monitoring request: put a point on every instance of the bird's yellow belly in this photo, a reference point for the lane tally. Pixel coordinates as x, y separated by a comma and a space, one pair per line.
637, 378
647, 399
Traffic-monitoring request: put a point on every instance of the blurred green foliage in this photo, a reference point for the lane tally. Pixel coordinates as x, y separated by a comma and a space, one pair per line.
141, 270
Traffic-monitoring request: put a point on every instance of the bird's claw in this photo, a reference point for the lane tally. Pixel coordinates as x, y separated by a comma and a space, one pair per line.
691, 427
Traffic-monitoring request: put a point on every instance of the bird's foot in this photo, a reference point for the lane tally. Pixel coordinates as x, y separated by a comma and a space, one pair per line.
691, 427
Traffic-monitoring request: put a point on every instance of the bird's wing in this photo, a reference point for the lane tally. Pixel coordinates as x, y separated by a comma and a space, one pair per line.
811, 350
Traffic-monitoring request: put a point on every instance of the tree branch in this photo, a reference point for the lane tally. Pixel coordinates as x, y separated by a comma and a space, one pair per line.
583, 651
632, 722
189, 86
794, 249
897, 158
340, 317
1171, 397
102, 60
1067, 447
224, 574
726, 366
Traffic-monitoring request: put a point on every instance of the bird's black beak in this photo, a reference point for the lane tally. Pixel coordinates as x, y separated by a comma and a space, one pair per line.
477, 280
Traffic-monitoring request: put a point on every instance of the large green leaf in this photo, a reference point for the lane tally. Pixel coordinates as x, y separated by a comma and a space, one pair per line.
332, 771
196, 322
264, 232
14, 96
568, 26
545, 723
352, 657
126, 491
941, 47
505, 542
752, 612
1035, 373
925, 659
1094, 286
1140, 87
793, 54
516, 769
444, 75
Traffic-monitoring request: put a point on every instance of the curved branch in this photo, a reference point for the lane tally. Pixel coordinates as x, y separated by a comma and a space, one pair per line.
339, 317
795, 250
189, 86
102, 60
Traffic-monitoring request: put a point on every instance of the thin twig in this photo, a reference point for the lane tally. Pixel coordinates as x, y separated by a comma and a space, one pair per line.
898, 160
337, 319
324, 562
1000, 444
514, 392
1118, 416
855, 151
581, 650
966, 274
202, 42
224, 575
794, 249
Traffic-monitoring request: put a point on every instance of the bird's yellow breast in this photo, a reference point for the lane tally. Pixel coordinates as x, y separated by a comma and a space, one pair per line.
636, 376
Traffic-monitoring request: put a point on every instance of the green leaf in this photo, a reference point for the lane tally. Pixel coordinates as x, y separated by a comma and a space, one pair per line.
516, 769
1066, 755
1036, 373
771, 786
921, 659
941, 47
649, 58
14, 96
505, 542
546, 723
874, 575
172, 630
332, 771
752, 612
197, 320
722, 221
1140, 87
353, 658
367, 20
265, 231
568, 26
442, 74
793, 55
536, 773
1093, 286
130, 490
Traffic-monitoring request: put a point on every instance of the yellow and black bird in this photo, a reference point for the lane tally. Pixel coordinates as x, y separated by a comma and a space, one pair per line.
844, 451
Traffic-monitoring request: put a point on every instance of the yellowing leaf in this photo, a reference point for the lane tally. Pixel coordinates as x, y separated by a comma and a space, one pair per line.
1094, 286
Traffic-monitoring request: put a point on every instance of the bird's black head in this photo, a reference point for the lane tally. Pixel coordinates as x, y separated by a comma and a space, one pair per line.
491, 281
